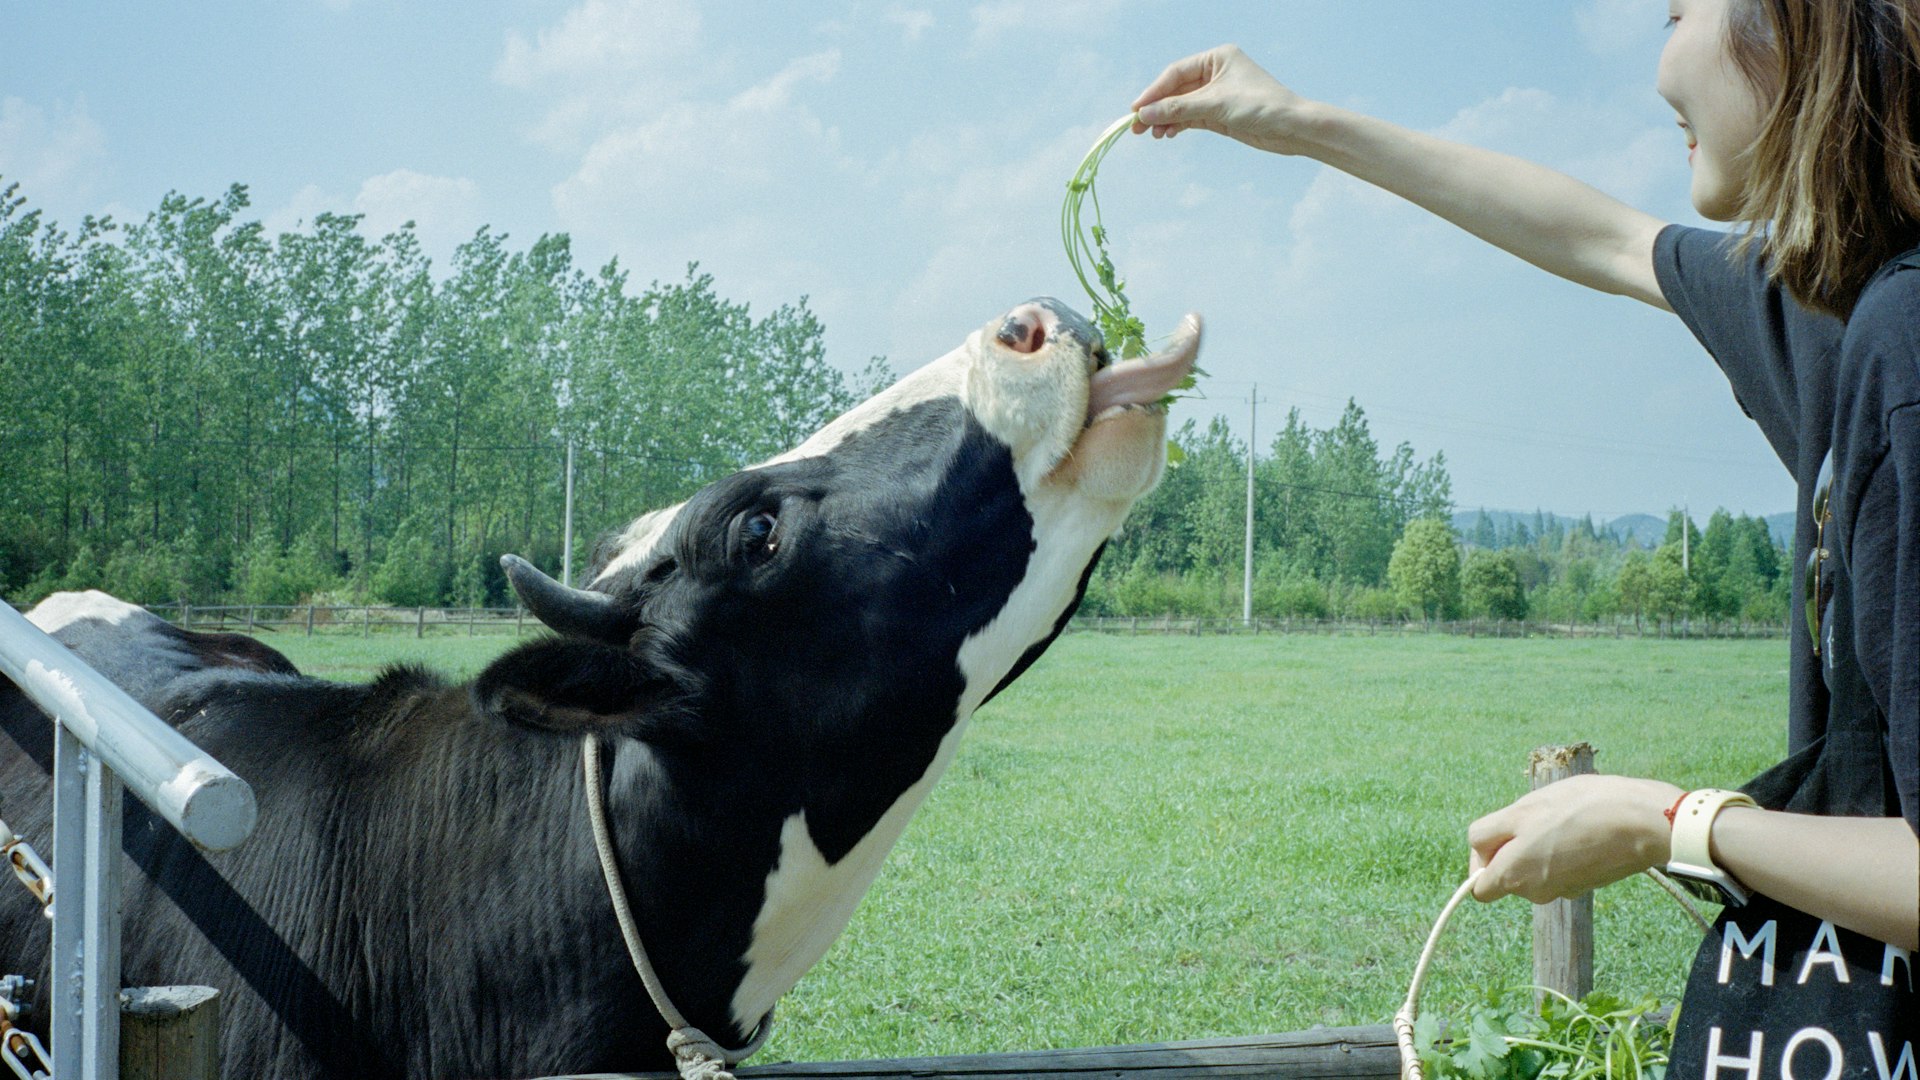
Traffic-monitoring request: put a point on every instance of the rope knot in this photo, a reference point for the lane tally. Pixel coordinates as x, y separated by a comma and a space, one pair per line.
697, 1056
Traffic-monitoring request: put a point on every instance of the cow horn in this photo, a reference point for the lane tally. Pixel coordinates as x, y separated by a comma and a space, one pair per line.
567, 610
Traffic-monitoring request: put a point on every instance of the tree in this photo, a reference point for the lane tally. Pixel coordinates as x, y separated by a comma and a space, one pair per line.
1635, 584
1670, 592
1490, 585
1483, 534
1425, 568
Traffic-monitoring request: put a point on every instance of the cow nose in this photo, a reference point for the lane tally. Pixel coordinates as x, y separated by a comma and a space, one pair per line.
1027, 327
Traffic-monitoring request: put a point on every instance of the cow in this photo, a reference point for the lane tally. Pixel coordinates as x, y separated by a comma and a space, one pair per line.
776, 671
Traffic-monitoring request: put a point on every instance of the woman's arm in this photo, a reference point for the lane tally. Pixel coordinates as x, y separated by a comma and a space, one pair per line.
1545, 217
1576, 835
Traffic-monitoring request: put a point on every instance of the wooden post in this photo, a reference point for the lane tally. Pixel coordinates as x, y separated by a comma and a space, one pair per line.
309, 620
170, 1033
420, 622
1562, 929
366, 621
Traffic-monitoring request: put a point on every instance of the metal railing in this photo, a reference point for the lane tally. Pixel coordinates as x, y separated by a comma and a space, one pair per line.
104, 740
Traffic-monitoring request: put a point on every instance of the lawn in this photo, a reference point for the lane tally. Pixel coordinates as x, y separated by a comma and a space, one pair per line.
1159, 838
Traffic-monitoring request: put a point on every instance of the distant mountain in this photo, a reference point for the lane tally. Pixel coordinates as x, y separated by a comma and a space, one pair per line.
1646, 529
1464, 520
1781, 526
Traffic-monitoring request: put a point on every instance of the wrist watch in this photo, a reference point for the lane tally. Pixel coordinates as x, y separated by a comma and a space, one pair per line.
1691, 858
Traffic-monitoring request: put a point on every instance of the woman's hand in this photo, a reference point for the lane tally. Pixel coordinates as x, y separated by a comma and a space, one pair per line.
1572, 837
1223, 91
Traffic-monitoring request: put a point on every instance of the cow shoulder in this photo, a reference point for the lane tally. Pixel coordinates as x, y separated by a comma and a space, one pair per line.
142, 653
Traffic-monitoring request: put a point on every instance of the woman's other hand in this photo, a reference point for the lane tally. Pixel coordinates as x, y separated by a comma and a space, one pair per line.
1220, 90
1572, 837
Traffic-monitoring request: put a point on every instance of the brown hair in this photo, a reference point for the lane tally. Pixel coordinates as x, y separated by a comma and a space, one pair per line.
1834, 184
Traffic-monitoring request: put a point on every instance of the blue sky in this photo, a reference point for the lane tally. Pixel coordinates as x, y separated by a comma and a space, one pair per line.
902, 165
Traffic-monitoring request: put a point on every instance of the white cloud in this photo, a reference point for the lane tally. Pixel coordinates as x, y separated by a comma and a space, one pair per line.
1611, 27
445, 211
606, 61
1039, 18
913, 22
55, 153
734, 182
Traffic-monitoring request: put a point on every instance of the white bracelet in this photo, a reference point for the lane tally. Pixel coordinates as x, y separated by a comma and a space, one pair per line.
1692, 855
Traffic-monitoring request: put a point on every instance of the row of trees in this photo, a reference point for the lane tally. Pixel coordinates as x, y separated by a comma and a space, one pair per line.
1345, 529
1732, 571
199, 409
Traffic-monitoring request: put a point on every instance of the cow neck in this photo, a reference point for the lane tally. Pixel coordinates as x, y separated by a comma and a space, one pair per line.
695, 1053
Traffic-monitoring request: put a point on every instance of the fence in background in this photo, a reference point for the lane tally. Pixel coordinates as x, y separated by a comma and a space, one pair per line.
364, 620
1172, 624
420, 622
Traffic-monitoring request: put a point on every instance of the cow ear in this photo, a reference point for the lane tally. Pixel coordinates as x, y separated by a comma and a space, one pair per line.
574, 685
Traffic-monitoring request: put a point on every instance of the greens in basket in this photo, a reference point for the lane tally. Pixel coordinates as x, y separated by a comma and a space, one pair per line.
1508, 1038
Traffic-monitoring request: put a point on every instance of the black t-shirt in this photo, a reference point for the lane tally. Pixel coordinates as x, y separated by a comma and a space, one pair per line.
1777, 992
1812, 384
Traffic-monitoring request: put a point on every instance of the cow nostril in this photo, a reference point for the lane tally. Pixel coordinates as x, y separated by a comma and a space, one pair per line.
1102, 359
1025, 329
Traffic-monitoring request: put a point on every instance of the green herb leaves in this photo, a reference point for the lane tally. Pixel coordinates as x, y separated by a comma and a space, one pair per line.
1600, 1038
1087, 251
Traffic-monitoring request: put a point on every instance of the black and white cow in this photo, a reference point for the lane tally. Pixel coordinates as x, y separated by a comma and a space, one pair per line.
779, 669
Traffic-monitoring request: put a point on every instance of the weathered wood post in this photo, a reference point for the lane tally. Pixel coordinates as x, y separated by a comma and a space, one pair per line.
309, 620
420, 622
1562, 929
170, 1033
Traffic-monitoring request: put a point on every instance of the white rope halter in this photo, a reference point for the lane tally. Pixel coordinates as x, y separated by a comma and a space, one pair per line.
694, 1052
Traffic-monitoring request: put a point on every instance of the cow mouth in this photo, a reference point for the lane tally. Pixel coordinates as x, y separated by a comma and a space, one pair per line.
1144, 382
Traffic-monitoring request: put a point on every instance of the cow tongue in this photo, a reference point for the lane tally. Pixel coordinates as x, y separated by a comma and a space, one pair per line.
1146, 379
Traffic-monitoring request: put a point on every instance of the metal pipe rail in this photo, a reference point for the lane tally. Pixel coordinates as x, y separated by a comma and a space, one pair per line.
102, 740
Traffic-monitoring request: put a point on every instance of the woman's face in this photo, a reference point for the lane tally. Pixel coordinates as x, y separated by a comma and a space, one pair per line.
1720, 111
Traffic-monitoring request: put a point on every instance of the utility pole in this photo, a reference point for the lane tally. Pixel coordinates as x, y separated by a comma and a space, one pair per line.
566, 541
1246, 587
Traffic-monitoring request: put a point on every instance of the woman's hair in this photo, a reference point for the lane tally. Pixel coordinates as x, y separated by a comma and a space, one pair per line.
1834, 187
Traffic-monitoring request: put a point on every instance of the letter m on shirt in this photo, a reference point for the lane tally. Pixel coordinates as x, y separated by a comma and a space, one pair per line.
1762, 942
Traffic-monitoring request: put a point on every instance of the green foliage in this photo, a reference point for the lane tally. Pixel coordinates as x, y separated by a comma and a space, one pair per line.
152, 574
183, 385
268, 573
1490, 585
1508, 1038
1425, 568
413, 573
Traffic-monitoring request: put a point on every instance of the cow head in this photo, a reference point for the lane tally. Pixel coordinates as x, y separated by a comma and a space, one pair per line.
895, 569
818, 628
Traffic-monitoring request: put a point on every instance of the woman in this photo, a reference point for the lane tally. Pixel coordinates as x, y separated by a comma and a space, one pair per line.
1802, 119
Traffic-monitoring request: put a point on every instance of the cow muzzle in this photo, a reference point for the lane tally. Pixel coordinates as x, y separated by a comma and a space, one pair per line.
1042, 321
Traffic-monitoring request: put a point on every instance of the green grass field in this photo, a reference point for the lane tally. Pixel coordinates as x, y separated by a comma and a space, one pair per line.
1162, 838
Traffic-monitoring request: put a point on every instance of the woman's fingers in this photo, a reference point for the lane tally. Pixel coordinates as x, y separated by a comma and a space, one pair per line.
1180, 77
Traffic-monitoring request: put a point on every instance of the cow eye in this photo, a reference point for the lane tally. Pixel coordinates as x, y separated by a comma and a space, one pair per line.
758, 533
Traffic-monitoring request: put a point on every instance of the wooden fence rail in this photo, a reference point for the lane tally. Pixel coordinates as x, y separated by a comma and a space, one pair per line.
364, 620
1177, 624
369, 619
1344, 1053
